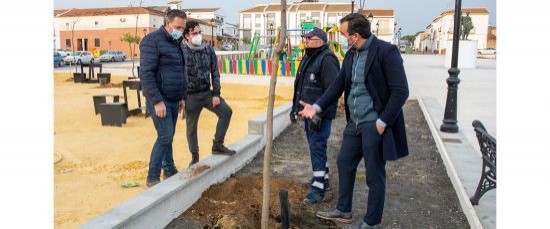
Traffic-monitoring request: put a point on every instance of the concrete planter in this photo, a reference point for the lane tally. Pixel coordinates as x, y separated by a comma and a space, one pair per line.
104, 78
79, 77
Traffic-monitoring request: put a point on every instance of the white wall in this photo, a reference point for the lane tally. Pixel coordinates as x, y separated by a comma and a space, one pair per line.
105, 22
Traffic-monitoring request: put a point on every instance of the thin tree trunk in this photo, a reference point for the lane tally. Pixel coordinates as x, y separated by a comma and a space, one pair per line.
281, 35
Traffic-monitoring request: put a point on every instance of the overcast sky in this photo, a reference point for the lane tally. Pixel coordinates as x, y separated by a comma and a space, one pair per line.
412, 16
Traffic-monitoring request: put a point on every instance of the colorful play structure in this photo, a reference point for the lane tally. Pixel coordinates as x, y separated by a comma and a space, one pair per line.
258, 62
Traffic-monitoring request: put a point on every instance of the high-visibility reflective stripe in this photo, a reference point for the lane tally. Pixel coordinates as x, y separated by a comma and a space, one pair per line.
318, 173
318, 185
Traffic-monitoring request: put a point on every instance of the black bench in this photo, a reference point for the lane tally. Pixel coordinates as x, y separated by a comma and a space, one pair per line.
488, 147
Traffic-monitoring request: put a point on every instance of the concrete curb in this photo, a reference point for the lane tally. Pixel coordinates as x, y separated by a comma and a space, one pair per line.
452, 170
158, 206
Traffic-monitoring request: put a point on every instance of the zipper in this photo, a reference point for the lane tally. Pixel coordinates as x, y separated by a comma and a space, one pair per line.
355, 93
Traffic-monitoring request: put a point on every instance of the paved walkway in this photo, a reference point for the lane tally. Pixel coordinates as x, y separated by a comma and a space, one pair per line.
476, 100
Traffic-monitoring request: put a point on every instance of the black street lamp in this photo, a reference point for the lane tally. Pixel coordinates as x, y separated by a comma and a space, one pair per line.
212, 25
377, 25
395, 32
370, 17
449, 121
399, 37
271, 35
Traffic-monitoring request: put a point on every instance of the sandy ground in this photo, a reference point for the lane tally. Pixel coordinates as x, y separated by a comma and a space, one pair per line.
96, 160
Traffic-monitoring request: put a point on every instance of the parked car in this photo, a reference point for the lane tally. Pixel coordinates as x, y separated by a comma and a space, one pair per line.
80, 57
113, 56
57, 59
487, 51
402, 48
227, 48
63, 52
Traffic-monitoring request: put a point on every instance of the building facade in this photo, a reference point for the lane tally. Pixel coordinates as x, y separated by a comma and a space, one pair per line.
265, 18
102, 28
441, 29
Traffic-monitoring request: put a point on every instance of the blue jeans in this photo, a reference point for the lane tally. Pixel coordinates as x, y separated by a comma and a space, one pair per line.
362, 142
317, 141
161, 154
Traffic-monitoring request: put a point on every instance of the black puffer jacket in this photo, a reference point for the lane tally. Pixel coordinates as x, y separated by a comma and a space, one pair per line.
162, 67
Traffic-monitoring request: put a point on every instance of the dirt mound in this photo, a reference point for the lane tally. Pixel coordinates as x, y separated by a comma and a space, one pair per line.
237, 203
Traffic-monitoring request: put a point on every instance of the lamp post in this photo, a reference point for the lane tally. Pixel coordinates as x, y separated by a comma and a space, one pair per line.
377, 25
395, 32
399, 37
271, 35
449, 120
212, 25
370, 17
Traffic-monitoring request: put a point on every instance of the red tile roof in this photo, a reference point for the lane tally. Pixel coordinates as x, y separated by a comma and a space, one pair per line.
111, 11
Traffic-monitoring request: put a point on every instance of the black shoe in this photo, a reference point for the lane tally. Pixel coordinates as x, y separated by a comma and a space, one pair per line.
219, 148
166, 175
194, 158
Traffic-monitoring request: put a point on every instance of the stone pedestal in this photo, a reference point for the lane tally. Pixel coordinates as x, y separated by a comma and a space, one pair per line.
467, 54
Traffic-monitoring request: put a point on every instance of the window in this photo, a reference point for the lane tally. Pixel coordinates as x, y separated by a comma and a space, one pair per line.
258, 21
247, 21
383, 27
68, 43
96, 42
67, 26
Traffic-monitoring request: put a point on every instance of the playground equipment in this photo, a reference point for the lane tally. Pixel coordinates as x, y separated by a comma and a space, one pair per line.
258, 61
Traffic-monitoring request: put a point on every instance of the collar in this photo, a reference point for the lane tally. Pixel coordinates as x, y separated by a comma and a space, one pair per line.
367, 44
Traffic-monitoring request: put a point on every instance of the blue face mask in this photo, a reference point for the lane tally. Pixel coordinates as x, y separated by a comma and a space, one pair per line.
176, 34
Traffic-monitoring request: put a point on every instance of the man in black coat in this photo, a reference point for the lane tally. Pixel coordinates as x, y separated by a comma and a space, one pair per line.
162, 77
375, 85
317, 70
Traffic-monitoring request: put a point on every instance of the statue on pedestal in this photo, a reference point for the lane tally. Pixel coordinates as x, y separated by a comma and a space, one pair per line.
466, 26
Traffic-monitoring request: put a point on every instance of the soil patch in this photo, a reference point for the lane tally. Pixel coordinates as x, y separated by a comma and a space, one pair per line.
419, 194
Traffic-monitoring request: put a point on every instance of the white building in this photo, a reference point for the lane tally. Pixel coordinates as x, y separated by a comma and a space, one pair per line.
441, 29
259, 18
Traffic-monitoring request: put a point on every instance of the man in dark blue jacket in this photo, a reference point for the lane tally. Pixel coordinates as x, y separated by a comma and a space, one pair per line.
375, 85
162, 73
317, 70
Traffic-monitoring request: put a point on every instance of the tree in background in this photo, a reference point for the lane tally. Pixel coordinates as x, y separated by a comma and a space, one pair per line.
132, 40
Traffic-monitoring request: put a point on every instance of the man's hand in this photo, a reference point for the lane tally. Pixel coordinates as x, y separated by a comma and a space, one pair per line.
308, 111
215, 101
292, 117
182, 105
160, 109
380, 129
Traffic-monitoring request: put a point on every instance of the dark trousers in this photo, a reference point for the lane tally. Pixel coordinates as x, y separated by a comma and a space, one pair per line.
317, 141
193, 107
362, 142
161, 154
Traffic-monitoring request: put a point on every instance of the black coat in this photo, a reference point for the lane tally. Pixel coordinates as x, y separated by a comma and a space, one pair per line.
162, 67
386, 82
324, 66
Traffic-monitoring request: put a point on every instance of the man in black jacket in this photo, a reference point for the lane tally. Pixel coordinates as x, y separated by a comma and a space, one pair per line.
375, 85
162, 73
317, 70
202, 71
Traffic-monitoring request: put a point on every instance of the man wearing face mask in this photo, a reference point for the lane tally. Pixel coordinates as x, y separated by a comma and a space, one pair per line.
375, 85
162, 77
317, 70
202, 72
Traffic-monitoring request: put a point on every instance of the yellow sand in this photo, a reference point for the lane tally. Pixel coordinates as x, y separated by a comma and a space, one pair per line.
96, 160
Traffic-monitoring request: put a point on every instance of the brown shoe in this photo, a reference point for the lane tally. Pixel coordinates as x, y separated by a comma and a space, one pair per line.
151, 183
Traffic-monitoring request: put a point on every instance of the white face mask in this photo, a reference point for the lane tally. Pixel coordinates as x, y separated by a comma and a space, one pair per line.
197, 40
